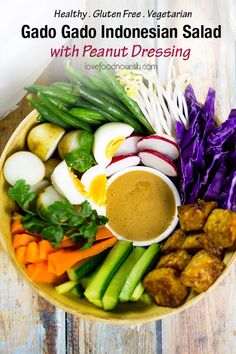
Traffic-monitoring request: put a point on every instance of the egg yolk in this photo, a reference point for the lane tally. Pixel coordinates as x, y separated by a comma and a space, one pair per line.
78, 184
97, 190
113, 146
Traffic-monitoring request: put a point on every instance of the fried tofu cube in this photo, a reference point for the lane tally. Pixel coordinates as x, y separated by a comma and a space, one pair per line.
177, 260
211, 247
202, 271
221, 227
165, 287
192, 243
232, 248
192, 217
174, 242
196, 242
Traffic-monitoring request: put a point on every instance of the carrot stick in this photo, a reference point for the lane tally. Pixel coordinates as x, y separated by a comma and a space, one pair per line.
17, 227
103, 233
32, 253
62, 260
66, 242
45, 248
21, 254
39, 273
23, 240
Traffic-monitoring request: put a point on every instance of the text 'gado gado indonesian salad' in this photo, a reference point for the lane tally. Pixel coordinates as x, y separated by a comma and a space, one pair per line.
112, 160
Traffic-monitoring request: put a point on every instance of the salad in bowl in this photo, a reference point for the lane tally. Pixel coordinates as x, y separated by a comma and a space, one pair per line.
120, 194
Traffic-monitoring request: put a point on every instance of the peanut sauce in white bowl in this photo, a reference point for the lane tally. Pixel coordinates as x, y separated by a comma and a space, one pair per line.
141, 205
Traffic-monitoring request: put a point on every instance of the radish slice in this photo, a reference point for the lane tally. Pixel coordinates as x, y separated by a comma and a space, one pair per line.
158, 161
120, 162
129, 146
160, 144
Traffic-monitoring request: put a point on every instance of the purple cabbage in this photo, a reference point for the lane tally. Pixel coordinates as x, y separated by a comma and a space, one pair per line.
207, 154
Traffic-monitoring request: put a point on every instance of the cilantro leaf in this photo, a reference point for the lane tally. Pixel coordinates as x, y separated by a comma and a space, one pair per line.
62, 212
101, 220
89, 230
53, 233
62, 218
21, 193
33, 224
86, 246
86, 209
80, 160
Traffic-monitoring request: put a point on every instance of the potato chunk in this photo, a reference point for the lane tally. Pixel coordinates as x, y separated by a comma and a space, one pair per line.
192, 217
221, 227
192, 243
174, 242
165, 287
177, 260
203, 269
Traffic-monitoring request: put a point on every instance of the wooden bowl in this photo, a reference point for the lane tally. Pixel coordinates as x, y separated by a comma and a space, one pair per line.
124, 313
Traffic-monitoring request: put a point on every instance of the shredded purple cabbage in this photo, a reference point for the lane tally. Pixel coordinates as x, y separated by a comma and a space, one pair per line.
207, 154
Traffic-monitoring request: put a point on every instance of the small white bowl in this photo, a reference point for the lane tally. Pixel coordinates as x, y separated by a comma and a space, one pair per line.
174, 222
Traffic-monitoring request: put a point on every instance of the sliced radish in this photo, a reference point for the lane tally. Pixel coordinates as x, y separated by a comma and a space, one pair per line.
160, 144
129, 146
158, 161
120, 162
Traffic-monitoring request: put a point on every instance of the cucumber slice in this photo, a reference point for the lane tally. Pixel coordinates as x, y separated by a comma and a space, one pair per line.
111, 297
84, 268
138, 271
78, 291
85, 280
137, 292
98, 285
146, 298
65, 287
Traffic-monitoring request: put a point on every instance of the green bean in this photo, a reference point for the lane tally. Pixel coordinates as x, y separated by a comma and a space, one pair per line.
66, 86
76, 76
84, 104
115, 102
59, 104
99, 84
90, 81
115, 86
93, 97
48, 115
66, 117
53, 92
88, 116
41, 119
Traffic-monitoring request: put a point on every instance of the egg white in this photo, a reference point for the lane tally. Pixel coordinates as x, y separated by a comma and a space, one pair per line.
104, 135
64, 182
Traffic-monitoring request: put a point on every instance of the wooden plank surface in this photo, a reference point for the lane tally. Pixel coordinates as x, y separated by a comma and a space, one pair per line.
28, 324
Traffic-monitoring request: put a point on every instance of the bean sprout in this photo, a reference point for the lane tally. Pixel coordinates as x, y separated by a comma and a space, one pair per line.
162, 105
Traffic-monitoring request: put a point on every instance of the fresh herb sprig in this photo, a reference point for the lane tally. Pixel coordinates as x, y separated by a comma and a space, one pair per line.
58, 219
79, 160
21, 193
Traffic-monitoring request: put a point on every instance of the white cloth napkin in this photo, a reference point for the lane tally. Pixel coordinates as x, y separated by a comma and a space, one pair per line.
23, 60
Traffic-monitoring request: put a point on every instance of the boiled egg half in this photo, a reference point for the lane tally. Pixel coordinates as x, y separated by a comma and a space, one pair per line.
92, 185
107, 140
68, 184
94, 181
